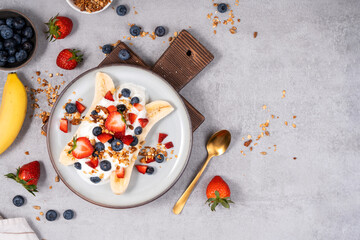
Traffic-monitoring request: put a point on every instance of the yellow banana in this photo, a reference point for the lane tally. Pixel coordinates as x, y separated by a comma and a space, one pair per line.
12, 110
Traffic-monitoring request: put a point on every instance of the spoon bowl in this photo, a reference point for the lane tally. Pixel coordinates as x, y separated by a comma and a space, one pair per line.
218, 143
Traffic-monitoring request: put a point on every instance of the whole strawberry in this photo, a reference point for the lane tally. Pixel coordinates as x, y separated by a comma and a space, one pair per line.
27, 175
58, 27
68, 59
217, 192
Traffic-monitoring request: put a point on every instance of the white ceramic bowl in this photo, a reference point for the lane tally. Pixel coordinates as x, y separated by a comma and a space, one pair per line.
71, 3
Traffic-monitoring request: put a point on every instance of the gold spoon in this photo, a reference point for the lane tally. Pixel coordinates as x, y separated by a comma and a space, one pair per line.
216, 145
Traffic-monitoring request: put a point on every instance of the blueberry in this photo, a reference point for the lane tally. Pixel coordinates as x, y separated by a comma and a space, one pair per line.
70, 108
124, 54
95, 179
99, 146
11, 59
68, 214
18, 200
23, 40
160, 31
134, 100
121, 10
107, 48
51, 215
19, 23
135, 31
11, 51
1, 45
77, 165
121, 107
27, 32
138, 130
27, 46
10, 22
117, 145
159, 158
150, 170
94, 112
110, 140
21, 55
2, 64
10, 43
97, 131
6, 32
135, 141
3, 56
17, 38
2, 22
125, 92
105, 165
222, 7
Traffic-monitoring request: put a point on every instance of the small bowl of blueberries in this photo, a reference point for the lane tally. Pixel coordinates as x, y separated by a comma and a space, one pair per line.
17, 40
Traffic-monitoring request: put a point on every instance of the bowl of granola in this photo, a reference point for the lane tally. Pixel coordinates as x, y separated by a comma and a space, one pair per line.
89, 6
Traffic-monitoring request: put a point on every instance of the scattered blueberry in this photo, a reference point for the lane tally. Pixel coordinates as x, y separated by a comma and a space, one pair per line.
19, 23
11, 52
68, 214
6, 32
11, 59
18, 200
10, 22
99, 146
2, 64
121, 107
159, 158
51, 215
27, 32
134, 100
94, 112
97, 131
21, 55
121, 10
70, 108
3, 56
95, 179
135, 141
9, 43
150, 170
107, 48
222, 7
1, 45
138, 130
77, 165
105, 165
117, 145
17, 38
125, 92
124, 54
135, 31
160, 31
27, 46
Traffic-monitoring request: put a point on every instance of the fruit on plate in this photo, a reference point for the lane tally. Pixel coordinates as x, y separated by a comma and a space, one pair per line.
218, 192
64, 125
68, 59
58, 27
145, 169
12, 110
81, 147
27, 175
162, 136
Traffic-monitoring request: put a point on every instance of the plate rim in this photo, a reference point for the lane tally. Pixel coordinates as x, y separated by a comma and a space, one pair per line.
86, 198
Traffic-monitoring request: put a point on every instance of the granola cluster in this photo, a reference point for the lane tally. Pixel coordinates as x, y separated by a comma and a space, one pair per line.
91, 5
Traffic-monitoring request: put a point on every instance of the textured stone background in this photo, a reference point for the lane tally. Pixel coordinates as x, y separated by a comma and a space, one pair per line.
311, 49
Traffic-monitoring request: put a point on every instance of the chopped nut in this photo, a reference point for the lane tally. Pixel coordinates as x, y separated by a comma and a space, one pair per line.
255, 34
37, 218
263, 153
27, 153
247, 143
294, 125
57, 178
41, 213
37, 207
37, 73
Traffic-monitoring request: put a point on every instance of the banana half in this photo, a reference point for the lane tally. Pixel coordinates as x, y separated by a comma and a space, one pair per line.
156, 110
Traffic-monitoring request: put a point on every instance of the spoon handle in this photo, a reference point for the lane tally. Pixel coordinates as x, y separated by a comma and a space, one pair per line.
179, 205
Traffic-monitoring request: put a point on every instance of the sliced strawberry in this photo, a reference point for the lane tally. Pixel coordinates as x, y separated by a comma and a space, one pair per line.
119, 135
115, 123
109, 96
82, 148
127, 139
93, 163
104, 137
162, 136
120, 173
64, 125
143, 122
111, 108
138, 106
132, 117
169, 145
141, 168
81, 108
150, 159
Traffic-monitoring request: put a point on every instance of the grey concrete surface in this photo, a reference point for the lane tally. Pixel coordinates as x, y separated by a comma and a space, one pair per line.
311, 49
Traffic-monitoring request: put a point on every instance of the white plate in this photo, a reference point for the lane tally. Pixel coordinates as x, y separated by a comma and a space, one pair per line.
142, 188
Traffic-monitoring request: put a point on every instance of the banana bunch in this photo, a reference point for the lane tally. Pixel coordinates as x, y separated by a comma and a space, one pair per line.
12, 110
